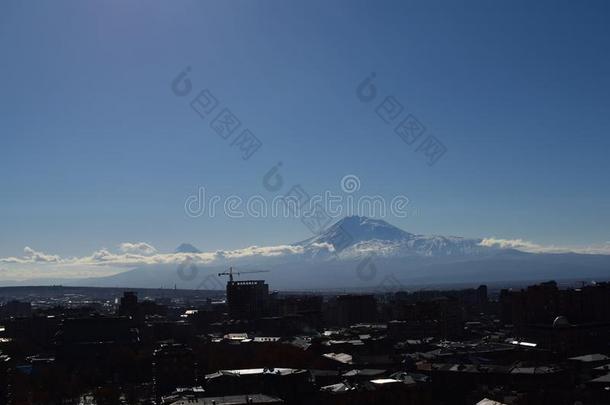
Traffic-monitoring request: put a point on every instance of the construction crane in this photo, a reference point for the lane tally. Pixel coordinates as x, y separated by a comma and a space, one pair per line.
230, 273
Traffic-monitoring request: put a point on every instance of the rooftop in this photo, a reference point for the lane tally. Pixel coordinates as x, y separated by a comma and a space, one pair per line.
590, 358
231, 400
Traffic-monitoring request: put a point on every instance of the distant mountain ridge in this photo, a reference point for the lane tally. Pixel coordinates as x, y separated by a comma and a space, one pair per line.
335, 258
355, 236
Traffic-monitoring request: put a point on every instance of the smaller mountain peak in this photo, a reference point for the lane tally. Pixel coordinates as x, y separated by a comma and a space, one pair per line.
187, 248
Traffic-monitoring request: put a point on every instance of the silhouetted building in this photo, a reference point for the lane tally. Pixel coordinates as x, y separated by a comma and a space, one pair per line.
173, 367
297, 305
16, 309
380, 391
32, 334
563, 320
482, 295
441, 316
290, 384
5, 371
129, 304
247, 299
245, 399
351, 309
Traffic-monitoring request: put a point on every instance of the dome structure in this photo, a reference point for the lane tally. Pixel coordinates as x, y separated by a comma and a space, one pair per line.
561, 322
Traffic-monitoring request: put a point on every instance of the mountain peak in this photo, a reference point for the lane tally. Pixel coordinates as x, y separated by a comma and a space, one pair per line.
356, 220
355, 229
187, 248
365, 228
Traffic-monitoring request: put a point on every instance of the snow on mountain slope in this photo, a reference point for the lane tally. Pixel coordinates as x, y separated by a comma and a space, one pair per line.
356, 236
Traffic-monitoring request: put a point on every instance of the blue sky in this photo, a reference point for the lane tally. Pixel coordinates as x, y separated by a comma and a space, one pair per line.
96, 150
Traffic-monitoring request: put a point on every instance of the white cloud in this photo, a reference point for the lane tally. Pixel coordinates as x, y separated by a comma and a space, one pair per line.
324, 245
140, 253
34, 263
50, 271
531, 247
519, 244
142, 248
32, 256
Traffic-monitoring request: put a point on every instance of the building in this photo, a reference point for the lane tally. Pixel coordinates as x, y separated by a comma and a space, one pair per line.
173, 367
567, 321
352, 309
98, 347
16, 309
440, 316
247, 299
292, 385
129, 304
5, 372
231, 400
543, 303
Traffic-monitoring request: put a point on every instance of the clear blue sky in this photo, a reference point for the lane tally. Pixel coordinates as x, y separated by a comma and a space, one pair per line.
96, 150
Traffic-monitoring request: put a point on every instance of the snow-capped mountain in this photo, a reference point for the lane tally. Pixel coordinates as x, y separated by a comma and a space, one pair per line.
356, 236
356, 252
356, 229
